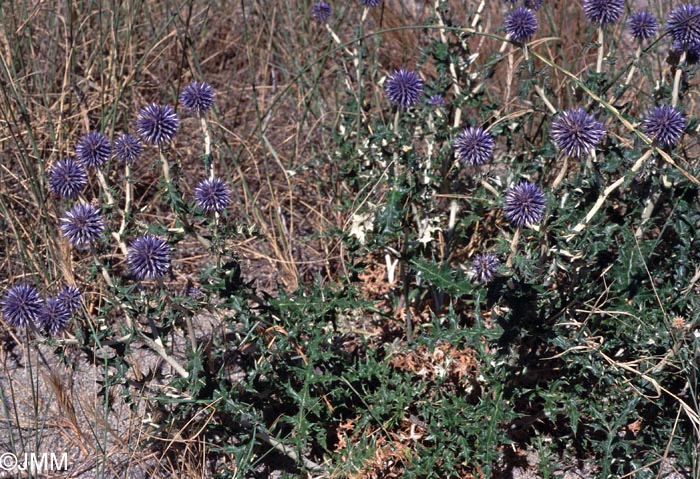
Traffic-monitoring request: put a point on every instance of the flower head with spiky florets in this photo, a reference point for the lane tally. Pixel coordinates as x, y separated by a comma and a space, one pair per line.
149, 257
127, 148
683, 23
603, 12
93, 149
404, 88
54, 316
576, 132
485, 266
194, 292
525, 204
692, 52
198, 97
82, 225
533, 4
521, 24
157, 124
212, 194
370, 3
436, 100
665, 125
71, 297
21, 305
643, 25
474, 146
321, 11
67, 178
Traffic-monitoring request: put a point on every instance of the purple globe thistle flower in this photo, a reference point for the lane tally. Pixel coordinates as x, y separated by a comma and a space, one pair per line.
149, 257
71, 297
576, 132
67, 178
485, 266
21, 305
533, 4
665, 125
127, 148
643, 25
321, 11
683, 23
54, 316
93, 149
436, 100
370, 3
521, 24
603, 12
194, 292
404, 88
474, 146
82, 225
197, 97
525, 204
212, 194
692, 52
157, 124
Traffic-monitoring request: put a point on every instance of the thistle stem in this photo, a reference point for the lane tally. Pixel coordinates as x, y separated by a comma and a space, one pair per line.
108, 279
453, 68
513, 247
207, 146
677, 80
477, 15
633, 68
166, 170
601, 50
609, 190
119, 236
188, 320
105, 188
562, 173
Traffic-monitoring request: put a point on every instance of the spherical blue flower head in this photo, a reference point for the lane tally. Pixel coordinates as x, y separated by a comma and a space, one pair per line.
683, 23
521, 24
54, 316
533, 4
93, 149
212, 194
67, 178
643, 25
474, 146
321, 11
197, 97
665, 125
692, 52
485, 266
21, 305
157, 124
603, 12
370, 3
525, 204
194, 292
404, 88
576, 133
127, 148
149, 257
71, 298
82, 225
436, 100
